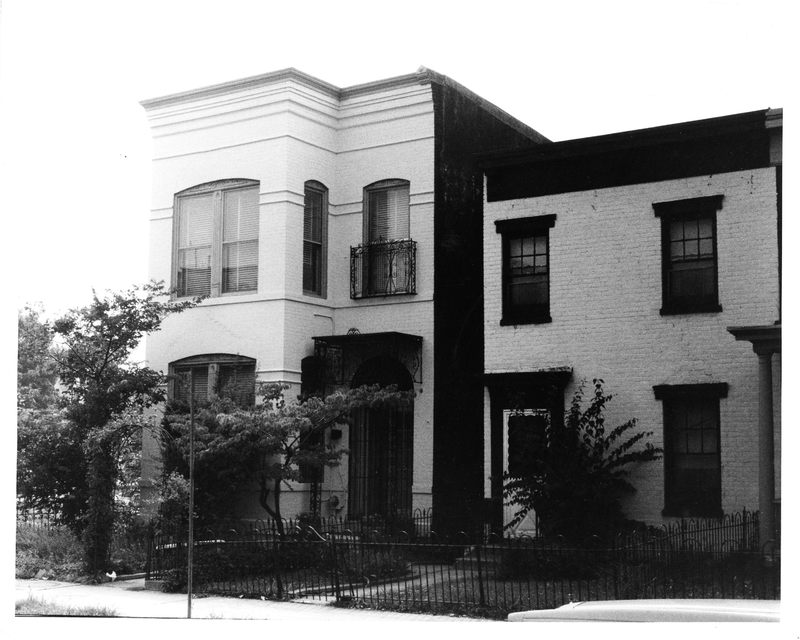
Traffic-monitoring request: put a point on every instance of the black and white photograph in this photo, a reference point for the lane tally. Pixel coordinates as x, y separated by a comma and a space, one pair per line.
335, 315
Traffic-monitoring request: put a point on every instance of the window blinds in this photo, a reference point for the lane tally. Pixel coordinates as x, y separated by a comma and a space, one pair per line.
240, 240
388, 214
312, 241
196, 230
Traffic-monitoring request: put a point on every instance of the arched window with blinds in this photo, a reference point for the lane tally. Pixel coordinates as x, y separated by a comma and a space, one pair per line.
384, 265
315, 230
211, 376
216, 238
387, 210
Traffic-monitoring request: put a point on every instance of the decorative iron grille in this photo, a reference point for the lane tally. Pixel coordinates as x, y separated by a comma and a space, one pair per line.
383, 268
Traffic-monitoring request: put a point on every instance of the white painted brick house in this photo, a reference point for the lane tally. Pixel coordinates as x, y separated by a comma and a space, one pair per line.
633, 258
331, 230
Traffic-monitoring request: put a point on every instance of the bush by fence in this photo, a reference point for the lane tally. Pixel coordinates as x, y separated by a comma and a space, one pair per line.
493, 576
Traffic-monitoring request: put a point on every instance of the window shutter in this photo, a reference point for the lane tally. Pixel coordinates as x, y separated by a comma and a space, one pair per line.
240, 240
183, 384
237, 382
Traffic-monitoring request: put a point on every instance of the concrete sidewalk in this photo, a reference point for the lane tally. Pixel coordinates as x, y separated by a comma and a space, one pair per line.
128, 598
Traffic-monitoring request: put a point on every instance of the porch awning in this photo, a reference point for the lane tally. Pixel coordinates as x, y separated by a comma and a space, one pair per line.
763, 337
342, 354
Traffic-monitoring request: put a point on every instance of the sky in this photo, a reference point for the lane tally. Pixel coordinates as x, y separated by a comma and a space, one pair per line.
76, 146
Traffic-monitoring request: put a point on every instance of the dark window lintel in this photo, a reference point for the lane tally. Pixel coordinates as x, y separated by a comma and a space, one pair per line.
701, 390
687, 206
525, 225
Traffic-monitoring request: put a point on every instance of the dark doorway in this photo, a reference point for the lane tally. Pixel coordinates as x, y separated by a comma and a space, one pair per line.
381, 447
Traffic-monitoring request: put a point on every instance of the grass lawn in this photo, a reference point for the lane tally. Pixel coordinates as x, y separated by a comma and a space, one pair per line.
32, 606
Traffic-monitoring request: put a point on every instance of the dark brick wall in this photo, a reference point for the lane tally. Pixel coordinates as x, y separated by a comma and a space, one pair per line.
463, 129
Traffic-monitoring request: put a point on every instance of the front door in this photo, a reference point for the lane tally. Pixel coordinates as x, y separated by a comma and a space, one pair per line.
380, 461
524, 434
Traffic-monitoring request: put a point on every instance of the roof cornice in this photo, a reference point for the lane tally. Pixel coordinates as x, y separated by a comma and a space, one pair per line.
251, 82
423, 76
283, 75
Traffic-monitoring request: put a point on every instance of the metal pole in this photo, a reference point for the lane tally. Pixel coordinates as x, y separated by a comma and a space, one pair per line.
191, 496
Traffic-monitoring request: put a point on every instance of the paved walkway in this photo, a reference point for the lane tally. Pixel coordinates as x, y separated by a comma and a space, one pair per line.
128, 598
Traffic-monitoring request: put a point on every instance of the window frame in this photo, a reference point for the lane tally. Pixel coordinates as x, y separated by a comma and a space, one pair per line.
683, 210
316, 187
682, 395
516, 229
213, 363
217, 190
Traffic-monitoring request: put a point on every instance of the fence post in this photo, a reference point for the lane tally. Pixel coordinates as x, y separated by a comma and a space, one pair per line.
337, 592
480, 574
616, 555
149, 553
744, 545
276, 537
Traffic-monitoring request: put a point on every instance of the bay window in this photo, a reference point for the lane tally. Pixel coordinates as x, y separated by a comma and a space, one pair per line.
216, 239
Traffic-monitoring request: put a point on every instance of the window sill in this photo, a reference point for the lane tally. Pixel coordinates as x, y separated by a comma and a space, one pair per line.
674, 512
686, 309
373, 296
516, 320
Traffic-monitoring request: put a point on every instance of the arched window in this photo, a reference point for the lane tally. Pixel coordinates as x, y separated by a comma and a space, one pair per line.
384, 265
315, 231
213, 375
216, 238
386, 214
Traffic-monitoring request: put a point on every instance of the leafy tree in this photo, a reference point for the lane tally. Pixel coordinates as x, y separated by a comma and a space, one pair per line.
36, 370
102, 396
267, 445
576, 482
50, 470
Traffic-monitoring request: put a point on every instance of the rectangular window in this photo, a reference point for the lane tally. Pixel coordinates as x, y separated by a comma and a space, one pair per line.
314, 231
692, 473
217, 239
689, 255
526, 269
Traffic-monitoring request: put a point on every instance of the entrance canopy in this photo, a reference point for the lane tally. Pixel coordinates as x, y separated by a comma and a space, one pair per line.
342, 355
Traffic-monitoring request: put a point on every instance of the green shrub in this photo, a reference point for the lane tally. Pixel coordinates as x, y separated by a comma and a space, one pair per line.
545, 564
371, 564
578, 471
32, 606
53, 553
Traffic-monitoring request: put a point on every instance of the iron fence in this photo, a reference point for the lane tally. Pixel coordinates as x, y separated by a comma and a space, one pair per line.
45, 518
409, 571
383, 268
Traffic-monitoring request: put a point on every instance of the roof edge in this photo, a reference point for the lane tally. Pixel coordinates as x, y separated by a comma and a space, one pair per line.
707, 127
434, 76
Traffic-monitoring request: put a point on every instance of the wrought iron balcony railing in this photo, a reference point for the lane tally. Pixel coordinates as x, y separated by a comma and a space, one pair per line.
383, 268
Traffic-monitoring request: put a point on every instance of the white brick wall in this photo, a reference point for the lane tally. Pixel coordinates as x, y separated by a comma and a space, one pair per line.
605, 297
283, 135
